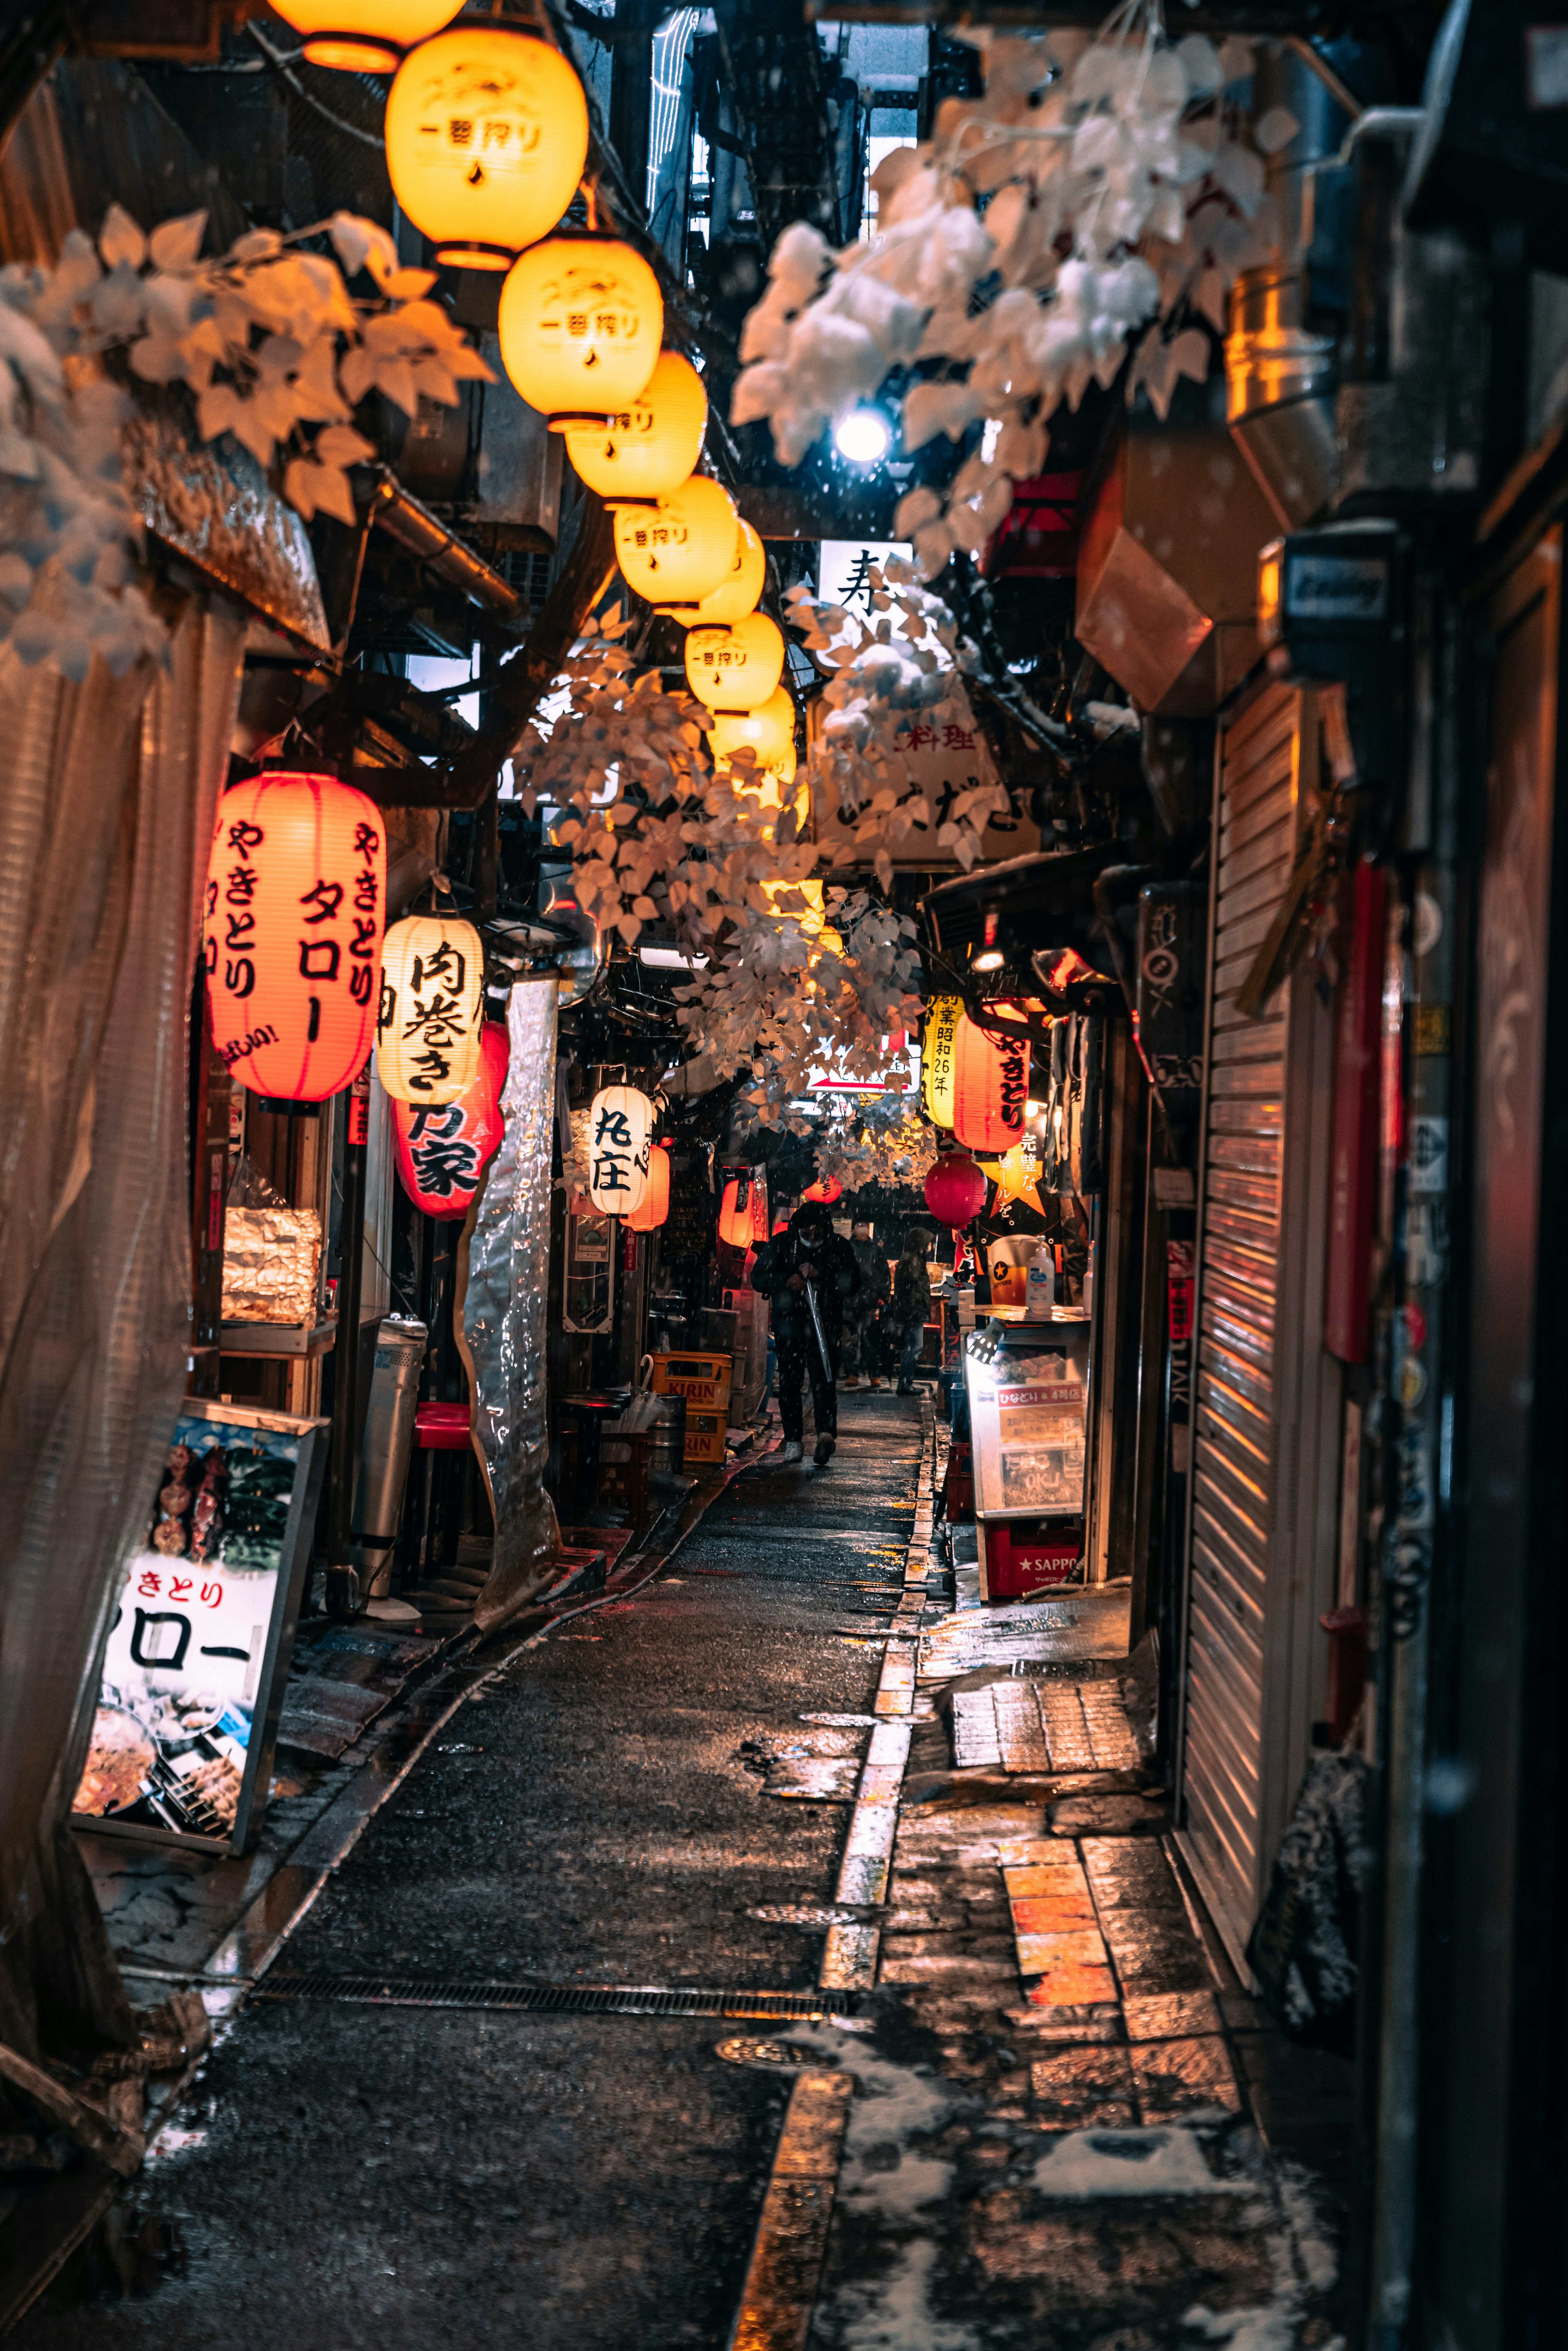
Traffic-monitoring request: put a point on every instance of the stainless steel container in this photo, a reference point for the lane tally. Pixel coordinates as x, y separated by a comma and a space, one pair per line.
389, 1440
667, 1423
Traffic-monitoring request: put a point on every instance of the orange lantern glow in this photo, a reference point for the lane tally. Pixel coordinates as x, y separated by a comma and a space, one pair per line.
674, 552
432, 1009
825, 1193
737, 668
442, 1152
741, 591
580, 322
990, 1088
649, 450
297, 887
487, 135
363, 35
744, 1204
655, 1206
769, 731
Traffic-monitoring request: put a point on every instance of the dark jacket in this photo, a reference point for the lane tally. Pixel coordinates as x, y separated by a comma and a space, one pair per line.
911, 1291
838, 1278
874, 1282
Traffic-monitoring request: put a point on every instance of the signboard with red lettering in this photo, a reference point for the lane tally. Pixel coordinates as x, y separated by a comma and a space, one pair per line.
1027, 1420
203, 1627
941, 754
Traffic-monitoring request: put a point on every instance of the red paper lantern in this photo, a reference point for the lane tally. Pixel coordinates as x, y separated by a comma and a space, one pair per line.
297, 886
655, 1205
736, 1213
990, 1088
825, 1193
443, 1151
955, 1190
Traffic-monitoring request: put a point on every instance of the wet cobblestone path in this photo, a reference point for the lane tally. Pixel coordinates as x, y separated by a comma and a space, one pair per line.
1044, 2114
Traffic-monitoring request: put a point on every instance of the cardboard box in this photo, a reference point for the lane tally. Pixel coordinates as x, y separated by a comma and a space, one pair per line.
704, 1438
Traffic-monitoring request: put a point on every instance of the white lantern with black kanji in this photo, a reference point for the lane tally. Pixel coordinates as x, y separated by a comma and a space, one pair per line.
431, 1009
620, 1131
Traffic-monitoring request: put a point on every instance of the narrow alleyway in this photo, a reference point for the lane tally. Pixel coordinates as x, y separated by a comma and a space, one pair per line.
1049, 2140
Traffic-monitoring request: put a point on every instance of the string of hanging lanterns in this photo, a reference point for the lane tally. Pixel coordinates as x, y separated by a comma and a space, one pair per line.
647, 451
486, 137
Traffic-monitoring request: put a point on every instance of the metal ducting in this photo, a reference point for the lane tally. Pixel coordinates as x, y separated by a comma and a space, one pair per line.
1281, 375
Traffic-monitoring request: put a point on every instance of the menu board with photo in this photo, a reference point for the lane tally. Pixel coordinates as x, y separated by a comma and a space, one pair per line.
1028, 1415
202, 1627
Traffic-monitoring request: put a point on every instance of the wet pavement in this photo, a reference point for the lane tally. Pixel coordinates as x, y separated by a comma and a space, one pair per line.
1047, 2115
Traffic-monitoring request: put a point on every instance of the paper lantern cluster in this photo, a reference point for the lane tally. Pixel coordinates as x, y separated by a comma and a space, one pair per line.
619, 1133
295, 904
442, 1151
432, 1009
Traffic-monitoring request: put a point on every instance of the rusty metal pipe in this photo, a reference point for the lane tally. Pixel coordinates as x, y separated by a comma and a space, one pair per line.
420, 534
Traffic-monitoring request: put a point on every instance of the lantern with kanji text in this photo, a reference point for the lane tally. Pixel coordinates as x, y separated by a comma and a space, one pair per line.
655, 1207
955, 1190
937, 1058
825, 1192
736, 668
619, 1129
769, 731
580, 322
648, 449
442, 1150
487, 135
990, 1088
743, 1213
740, 590
432, 1009
292, 933
673, 553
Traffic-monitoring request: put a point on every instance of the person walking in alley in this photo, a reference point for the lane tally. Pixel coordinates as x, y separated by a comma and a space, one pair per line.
863, 1332
808, 1252
911, 1305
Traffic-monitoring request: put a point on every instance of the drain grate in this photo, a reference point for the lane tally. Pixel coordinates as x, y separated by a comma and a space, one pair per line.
560, 2000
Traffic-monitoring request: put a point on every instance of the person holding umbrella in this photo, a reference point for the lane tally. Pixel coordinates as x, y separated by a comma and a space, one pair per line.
809, 1274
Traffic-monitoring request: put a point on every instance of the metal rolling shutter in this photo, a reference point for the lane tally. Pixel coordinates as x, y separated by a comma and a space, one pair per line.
1234, 1449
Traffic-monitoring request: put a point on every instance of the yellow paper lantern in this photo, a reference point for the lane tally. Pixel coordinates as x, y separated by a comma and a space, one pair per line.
580, 322
431, 1009
674, 552
741, 593
487, 135
363, 35
770, 732
736, 668
938, 1059
619, 1133
649, 448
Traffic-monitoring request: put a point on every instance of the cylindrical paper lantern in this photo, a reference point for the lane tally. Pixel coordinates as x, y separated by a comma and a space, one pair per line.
936, 1062
649, 448
740, 592
737, 1211
363, 35
955, 1190
487, 135
674, 552
581, 321
620, 1124
736, 668
829, 1190
768, 730
442, 1152
297, 886
990, 1089
432, 1009
655, 1206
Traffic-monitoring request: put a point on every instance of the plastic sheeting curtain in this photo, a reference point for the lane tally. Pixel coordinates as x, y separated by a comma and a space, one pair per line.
504, 1311
105, 819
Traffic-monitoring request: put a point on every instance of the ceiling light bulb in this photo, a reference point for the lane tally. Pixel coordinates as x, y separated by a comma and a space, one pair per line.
991, 960
863, 436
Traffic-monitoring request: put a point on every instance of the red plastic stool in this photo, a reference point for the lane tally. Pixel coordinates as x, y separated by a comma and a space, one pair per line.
442, 1427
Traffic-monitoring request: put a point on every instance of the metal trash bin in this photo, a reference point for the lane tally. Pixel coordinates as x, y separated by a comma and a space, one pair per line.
389, 1440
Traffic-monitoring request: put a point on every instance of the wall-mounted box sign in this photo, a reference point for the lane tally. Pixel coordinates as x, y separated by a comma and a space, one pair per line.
1027, 1419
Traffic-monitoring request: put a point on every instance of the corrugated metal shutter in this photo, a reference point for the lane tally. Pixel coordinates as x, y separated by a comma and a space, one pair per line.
1234, 1450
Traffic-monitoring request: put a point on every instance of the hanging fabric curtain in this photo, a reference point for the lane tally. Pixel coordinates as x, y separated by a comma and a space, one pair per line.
111, 786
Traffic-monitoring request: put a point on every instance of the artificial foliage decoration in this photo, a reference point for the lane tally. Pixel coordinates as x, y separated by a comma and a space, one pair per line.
443, 1150
620, 1128
432, 1009
487, 135
580, 322
363, 35
274, 349
1099, 199
296, 899
650, 447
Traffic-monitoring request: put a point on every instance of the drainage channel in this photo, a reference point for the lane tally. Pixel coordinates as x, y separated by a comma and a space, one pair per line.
561, 2000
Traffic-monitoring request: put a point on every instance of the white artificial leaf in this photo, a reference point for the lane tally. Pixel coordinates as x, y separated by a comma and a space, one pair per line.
174, 245
334, 494
339, 444
216, 410
1274, 130
119, 239
299, 486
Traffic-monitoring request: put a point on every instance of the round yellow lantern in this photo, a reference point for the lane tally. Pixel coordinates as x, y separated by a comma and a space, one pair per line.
431, 1009
580, 323
768, 730
741, 591
487, 135
648, 450
363, 35
673, 553
737, 668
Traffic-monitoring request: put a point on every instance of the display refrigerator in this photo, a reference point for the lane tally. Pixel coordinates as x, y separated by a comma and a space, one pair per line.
1028, 1425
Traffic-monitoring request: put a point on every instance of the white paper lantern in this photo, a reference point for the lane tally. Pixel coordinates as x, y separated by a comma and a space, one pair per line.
431, 1009
620, 1131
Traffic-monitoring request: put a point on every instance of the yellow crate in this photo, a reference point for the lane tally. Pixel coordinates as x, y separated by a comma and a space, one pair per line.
701, 1376
704, 1438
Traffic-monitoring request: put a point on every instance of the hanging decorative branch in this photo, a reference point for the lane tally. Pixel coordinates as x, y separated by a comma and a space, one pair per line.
1102, 194
266, 337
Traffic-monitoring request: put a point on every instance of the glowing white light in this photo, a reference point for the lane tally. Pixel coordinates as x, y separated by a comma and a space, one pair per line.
659, 958
991, 960
863, 437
